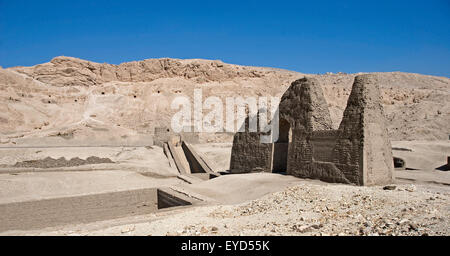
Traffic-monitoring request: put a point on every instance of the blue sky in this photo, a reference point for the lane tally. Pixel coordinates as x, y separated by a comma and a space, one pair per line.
310, 37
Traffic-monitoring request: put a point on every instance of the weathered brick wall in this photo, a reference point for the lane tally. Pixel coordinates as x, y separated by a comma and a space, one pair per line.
377, 150
324, 171
359, 152
323, 143
249, 154
304, 107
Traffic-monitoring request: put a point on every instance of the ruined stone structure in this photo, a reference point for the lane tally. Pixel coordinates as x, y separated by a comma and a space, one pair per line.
359, 152
191, 165
248, 154
164, 134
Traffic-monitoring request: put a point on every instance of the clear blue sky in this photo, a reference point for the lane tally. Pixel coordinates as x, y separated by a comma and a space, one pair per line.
310, 36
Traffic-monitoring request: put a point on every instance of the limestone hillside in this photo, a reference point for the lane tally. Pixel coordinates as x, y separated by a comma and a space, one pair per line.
74, 98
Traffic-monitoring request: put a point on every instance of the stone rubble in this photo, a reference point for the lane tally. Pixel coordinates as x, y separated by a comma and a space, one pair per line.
334, 210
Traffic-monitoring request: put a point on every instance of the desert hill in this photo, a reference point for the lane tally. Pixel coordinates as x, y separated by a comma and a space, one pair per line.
77, 99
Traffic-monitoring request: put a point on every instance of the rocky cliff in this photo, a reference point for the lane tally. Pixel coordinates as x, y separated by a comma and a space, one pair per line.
73, 98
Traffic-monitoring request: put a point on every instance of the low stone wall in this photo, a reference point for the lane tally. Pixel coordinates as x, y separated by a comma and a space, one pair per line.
53, 212
79, 209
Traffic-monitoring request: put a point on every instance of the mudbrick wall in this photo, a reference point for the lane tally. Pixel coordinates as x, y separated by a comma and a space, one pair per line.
359, 152
248, 154
363, 141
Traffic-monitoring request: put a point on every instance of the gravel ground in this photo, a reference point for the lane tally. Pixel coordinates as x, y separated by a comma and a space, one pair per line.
305, 209
342, 210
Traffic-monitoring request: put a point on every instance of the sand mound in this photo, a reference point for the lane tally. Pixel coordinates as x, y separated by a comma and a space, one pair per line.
49, 162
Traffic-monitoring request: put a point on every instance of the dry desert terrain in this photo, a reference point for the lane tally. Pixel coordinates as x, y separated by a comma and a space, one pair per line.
77, 155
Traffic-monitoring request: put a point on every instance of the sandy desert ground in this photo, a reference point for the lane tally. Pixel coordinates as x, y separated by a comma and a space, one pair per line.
247, 204
77, 155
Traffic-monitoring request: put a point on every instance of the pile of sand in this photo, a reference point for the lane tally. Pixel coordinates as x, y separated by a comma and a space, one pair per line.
49, 162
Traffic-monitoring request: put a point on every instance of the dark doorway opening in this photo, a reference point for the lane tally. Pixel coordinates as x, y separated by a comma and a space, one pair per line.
399, 163
281, 147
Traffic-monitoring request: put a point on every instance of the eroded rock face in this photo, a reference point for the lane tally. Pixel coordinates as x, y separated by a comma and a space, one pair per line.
69, 95
94, 100
67, 71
